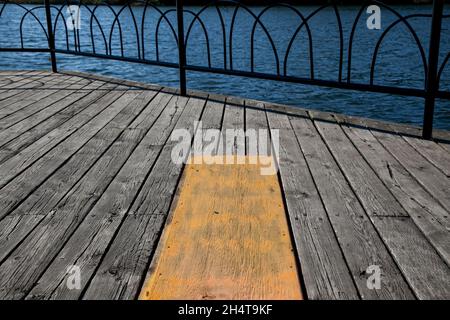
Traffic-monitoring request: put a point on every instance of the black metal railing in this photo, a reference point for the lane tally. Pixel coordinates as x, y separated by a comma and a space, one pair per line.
112, 40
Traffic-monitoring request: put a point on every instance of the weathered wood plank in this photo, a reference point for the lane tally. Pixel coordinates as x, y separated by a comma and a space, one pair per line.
90, 241
24, 99
23, 87
431, 218
115, 81
211, 120
113, 235
425, 271
22, 126
123, 268
325, 272
432, 152
39, 204
360, 175
33, 102
23, 267
33, 152
358, 239
429, 278
23, 80
31, 166
256, 123
20, 141
445, 146
232, 140
44, 199
9, 95
428, 176
41, 246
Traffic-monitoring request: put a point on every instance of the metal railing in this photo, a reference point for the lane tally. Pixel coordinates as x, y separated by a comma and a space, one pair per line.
54, 16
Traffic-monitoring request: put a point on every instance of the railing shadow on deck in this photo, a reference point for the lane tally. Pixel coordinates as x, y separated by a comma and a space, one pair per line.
107, 41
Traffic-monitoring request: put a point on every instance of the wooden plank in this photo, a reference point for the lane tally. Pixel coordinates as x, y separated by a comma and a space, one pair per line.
432, 152
429, 216
232, 140
4, 81
122, 270
89, 242
9, 94
21, 80
33, 152
25, 96
255, 125
127, 83
380, 125
47, 82
441, 135
359, 174
206, 142
39, 165
41, 201
445, 146
23, 109
20, 142
323, 267
214, 247
17, 111
429, 278
425, 271
358, 239
424, 172
26, 263
20, 87
23, 267
22, 126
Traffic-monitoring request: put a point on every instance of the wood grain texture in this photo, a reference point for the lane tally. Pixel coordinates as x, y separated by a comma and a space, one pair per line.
20, 97
358, 239
91, 183
123, 268
32, 103
90, 241
227, 238
431, 218
24, 139
40, 247
49, 147
432, 152
371, 191
431, 178
232, 140
44, 199
324, 270
427, 279
445, 146
425, 271
30, 122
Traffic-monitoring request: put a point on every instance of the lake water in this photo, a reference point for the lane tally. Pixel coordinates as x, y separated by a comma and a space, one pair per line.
399, 61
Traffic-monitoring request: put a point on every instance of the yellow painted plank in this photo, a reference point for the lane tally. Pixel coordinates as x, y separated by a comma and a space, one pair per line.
228, 238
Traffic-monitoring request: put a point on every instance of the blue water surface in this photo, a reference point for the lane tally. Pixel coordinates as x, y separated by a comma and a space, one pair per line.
399, 62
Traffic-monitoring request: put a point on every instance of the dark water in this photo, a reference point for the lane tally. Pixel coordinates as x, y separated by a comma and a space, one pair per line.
399, 62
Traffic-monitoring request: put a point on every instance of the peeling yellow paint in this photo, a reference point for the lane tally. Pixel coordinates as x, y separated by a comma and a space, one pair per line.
228, 238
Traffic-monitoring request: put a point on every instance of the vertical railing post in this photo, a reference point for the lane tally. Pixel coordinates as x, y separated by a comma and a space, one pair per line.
181, 48
432, 85
51, 37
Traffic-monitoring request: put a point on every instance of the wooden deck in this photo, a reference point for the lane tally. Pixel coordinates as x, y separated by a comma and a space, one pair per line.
87, 180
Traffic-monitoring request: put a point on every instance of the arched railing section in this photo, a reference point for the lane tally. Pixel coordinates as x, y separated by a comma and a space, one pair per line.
125, 32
